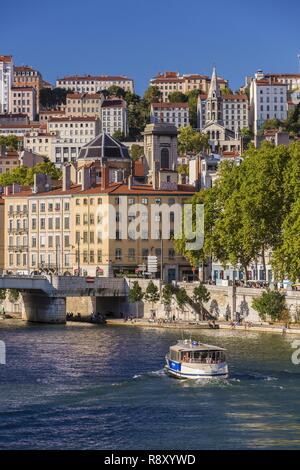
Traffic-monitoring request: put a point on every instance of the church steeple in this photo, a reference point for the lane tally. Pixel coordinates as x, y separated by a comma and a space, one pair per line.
214, 107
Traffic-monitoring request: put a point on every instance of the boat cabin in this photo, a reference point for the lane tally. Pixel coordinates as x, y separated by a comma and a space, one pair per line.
194, 352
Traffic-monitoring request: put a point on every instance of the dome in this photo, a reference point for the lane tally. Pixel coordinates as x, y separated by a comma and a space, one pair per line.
104, 147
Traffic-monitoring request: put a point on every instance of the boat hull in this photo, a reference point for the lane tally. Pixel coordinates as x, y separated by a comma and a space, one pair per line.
184, 371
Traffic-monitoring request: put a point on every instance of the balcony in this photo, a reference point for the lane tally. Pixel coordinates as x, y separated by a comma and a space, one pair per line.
18, 248
17, 231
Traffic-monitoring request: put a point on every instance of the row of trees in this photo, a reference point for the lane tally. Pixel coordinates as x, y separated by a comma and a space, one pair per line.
168, 293
24, 175
253, 208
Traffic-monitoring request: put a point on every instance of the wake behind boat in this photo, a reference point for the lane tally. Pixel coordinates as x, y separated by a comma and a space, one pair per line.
193, 360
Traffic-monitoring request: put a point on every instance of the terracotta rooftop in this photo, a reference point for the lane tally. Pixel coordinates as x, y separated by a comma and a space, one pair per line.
95, 78
113, 189
170, 105
5, 58
72, 118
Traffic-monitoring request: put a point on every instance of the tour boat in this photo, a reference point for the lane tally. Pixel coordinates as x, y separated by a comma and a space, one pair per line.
194, 360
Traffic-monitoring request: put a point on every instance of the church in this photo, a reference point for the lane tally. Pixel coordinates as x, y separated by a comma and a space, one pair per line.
210, 114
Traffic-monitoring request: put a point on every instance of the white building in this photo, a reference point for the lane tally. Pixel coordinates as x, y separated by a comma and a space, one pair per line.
6, 81
92, 84
172, 113
114, 116
72, 133
235, 111
268, 100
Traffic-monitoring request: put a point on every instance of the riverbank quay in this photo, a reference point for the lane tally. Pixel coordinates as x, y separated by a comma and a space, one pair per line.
264, 328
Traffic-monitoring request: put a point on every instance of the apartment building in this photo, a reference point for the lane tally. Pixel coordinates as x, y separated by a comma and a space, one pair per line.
1, 234
173, 113
114, 116
83, 104
235, 111
23, 100
6, 81
37, 231
102, 241
71, 134
26, 76
169, 82
46, 114
268, 100
39, 142
20, 129
9, 160
93, 84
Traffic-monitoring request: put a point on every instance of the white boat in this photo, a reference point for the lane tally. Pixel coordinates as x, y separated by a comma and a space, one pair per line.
194, 360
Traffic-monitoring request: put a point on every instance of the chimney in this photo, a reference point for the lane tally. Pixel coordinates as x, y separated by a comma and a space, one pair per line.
66, 177
7, 190
129, 182
104, 177
16, 188
85, 178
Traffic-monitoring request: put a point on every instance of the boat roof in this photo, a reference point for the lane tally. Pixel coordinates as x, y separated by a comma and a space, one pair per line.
188, 345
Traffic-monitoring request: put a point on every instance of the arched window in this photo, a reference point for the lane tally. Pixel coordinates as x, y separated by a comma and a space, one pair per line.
217, 135
164, 159
213, 135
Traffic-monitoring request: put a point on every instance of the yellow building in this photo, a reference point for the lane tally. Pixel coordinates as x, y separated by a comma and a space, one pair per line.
1, 234
89, 227
169, 82
26, 76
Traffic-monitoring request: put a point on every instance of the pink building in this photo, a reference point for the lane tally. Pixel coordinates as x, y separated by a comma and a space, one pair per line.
23, 100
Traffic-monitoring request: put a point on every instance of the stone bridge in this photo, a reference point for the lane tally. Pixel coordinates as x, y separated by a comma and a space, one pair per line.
44, 297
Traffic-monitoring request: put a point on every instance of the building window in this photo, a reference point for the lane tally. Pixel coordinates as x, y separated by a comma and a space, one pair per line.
165, 159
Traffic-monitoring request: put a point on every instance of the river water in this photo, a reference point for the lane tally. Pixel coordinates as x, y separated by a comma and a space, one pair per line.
102, 387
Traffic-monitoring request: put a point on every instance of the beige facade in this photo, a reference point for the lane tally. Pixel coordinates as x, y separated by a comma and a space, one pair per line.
86, 227
39, 142
1, 234
92, 84
169, 82
83, 104
25, 76
23, 100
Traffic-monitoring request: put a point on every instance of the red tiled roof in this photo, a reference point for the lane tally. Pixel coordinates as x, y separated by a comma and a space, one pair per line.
235, 97
170, 105
113, 104
5, 58
95, 78
78, 96
71, 118
114, 188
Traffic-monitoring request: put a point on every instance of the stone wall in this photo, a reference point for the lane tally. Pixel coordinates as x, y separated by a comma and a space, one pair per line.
43, 309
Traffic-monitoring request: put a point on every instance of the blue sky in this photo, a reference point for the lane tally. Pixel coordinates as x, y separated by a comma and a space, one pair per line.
141, 38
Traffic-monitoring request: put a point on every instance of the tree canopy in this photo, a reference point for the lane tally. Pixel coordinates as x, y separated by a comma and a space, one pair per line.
190, 141
10, 142
252, 209
24, 175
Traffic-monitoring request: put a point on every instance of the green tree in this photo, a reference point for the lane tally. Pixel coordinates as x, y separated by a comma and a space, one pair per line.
53, 98
10, 142
182, 298
190, 141
270, 304
201, 295
2, 295
192, 101
167, 296
152, 95
137, 151
25, 176
13, 295
272, 124
226, 91
118, 135
177, 97
135, 294
115, 90
183, 169
151, 294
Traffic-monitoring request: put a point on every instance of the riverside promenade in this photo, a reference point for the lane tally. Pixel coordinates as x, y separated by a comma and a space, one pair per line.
179, 325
